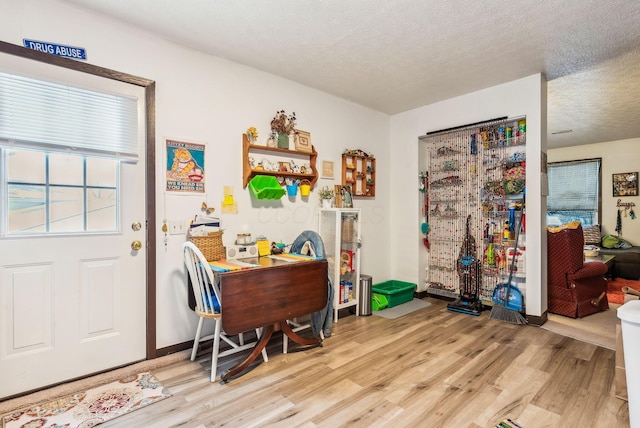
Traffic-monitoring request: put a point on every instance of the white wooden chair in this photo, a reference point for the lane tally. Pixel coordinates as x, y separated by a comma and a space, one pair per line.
208, 299
296, 326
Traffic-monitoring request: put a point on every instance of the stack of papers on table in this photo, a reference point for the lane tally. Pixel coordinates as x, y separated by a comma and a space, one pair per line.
202, 225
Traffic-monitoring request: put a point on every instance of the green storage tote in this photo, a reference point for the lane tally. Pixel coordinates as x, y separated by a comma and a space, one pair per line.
266, 187
379, 302
396, 292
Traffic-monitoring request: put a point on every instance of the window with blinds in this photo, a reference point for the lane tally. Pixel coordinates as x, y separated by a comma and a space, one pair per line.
61, 149
52, 116
574, 192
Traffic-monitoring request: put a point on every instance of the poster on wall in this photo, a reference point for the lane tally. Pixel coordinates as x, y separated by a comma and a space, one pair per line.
185, 169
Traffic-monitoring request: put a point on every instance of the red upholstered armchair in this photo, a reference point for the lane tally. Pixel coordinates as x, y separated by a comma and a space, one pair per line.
575, 288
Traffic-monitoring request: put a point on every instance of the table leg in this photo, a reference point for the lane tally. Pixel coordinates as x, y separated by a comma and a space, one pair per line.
266, 335
286, 329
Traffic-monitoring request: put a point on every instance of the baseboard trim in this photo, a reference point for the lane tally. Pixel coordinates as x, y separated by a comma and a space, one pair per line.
537, 319
168, 350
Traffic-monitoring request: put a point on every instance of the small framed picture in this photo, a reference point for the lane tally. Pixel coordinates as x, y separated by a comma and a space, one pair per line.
327, 169
625, 184
347, 196
284, 167
302, 141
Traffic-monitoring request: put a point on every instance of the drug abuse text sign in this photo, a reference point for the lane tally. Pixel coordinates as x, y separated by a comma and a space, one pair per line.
54, 49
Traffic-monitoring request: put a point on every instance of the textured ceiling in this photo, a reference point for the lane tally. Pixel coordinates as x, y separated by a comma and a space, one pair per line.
394, 56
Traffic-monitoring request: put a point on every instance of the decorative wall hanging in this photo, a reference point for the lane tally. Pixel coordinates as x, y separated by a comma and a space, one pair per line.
625, 184
628, 208
327, 169
185, 166
359, 172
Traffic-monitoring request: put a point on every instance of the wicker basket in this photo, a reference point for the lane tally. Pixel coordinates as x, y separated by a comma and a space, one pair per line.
211, 245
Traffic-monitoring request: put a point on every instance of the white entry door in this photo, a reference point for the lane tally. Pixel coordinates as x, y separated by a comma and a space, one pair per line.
73, 304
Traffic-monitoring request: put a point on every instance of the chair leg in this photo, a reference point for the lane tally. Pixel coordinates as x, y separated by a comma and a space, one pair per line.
216, 347
295, 326
265, 357
285, 343
241, 339
196, 341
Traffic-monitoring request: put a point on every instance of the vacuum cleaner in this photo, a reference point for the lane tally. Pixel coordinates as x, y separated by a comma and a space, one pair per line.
470, 273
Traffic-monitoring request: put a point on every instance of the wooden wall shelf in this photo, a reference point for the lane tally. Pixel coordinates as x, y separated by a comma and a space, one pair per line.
248, 173
359, 172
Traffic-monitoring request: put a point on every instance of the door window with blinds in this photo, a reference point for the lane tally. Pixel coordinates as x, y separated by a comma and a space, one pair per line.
61, 149
574, 192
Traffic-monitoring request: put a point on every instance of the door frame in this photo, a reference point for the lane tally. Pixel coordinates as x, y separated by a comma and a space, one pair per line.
150, 154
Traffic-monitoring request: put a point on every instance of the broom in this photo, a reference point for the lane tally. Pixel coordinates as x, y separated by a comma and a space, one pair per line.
499, 311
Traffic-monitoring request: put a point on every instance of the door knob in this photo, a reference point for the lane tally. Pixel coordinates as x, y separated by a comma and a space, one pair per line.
136, 245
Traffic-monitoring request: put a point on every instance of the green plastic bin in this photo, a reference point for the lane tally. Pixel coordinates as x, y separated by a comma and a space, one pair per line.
396, 292
266, 187
379, 302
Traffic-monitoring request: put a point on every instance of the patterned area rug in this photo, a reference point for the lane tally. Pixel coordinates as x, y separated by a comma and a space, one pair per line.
92, 407
614, 289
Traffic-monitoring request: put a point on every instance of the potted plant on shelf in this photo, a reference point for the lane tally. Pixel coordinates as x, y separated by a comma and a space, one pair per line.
326, 195
252, 134
283, 125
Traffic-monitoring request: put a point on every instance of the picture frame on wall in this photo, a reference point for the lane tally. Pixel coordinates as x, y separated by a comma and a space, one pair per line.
302, 141
327, 170
625, 184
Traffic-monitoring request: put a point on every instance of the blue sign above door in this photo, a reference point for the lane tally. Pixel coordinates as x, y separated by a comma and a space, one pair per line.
54, 49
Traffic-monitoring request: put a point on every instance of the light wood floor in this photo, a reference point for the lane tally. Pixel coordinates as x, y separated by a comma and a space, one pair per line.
431, 368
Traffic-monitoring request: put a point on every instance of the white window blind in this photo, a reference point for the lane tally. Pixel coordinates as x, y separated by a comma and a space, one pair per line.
574, 186
35, 113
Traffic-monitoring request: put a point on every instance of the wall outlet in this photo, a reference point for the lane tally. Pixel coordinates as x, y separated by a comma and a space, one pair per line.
177, 227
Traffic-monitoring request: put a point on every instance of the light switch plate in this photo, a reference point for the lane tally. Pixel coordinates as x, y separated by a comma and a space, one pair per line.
177, 227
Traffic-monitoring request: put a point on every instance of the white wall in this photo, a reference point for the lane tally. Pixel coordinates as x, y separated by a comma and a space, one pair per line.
617, 156
209, 100
526, 96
